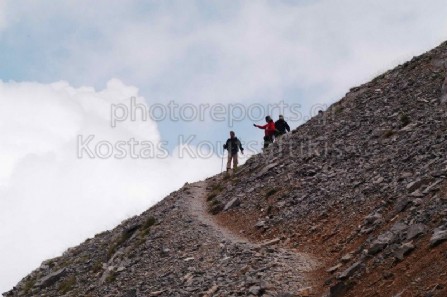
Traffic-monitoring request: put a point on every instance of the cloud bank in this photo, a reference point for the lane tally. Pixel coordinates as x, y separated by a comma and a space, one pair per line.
229, 51
52, 199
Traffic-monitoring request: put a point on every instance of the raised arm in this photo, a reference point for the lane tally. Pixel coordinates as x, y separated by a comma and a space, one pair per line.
261, 127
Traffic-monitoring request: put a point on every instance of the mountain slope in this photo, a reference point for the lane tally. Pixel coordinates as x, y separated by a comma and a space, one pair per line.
173, 249
362, 185
357, 196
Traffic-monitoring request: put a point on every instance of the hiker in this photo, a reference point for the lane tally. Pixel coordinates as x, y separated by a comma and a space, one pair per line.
269, 131
281, 126
233, 145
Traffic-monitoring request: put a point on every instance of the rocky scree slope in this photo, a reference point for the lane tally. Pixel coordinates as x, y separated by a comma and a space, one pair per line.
362, 185
173, 249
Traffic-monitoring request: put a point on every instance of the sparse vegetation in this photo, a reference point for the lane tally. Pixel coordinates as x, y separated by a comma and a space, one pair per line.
404, 120
150, 221
215, 190
97, 267
51, 263
338, 109
388, 133
270, 192
67, 285
144, 232
211, 196
217, 187
111, 277
84, 258
29, 284
64, 262
122, 239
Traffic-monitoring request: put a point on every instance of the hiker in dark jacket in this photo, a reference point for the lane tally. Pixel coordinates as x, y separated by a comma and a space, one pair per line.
233, 145
269, 131
281, 126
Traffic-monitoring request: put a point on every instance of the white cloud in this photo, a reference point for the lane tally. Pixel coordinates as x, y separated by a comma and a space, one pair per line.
50, 199
225, 52
254, 49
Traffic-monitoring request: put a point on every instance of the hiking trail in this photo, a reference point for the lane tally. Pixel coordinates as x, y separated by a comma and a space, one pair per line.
287, 266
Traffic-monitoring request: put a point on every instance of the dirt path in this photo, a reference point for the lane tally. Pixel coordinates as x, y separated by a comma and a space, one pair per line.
287, 267
198, 208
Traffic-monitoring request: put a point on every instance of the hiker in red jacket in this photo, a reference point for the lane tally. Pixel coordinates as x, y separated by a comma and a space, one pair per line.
269, 131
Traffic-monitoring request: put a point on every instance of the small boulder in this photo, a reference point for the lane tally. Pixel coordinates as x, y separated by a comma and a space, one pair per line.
439, 236
401, 204
232, 203
255, 290
403, 250
351, 270
373, 218
415, 185
381, 242
334, 268
415, 230
260, 224
346, 258
51, 279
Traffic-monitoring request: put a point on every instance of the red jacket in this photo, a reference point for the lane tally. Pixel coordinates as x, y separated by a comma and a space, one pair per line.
269, 128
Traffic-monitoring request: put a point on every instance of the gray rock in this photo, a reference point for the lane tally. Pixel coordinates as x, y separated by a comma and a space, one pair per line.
439, 173
418, 202
381, 242
334, 268
401, 204
399, 228
403, 250
347, 257
351, 270
417, 194
266, 169
260, 224
232, 203
433, 187
439, 235
444, 91
255, 290
373, 218
270, 242
415, 230
413, 186
51, 279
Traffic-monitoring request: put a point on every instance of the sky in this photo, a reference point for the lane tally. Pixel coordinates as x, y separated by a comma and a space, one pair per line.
107, 107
